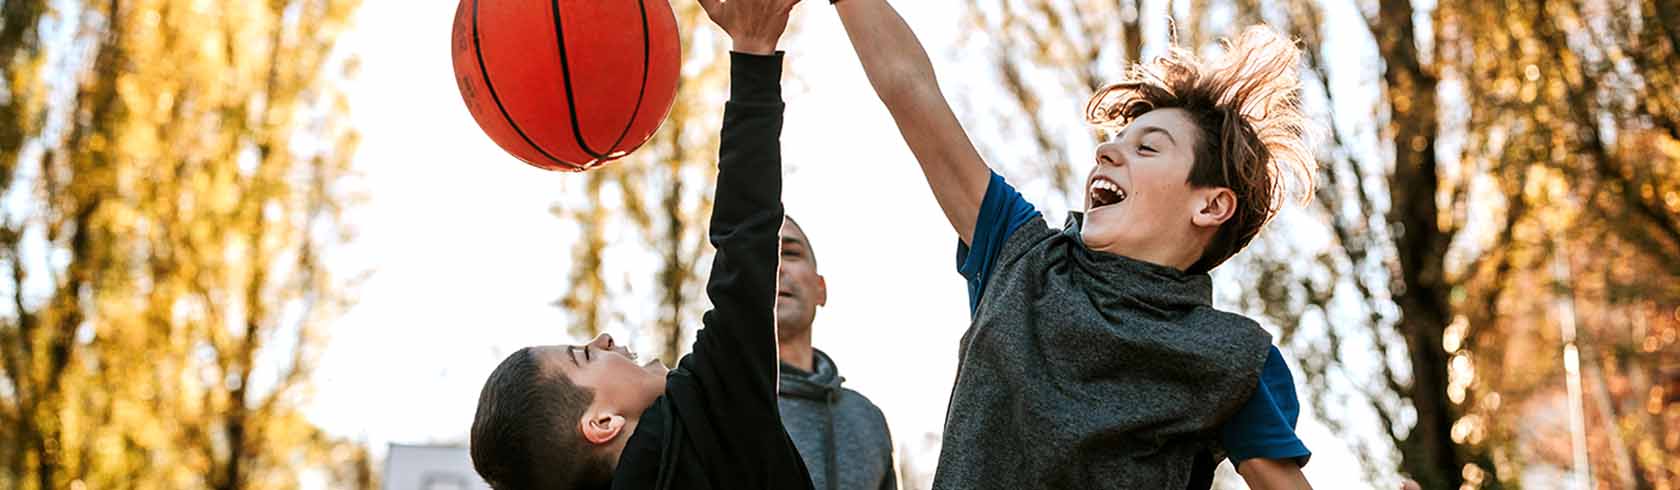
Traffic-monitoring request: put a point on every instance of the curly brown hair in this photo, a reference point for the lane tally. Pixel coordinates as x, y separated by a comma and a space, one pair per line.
1253, 132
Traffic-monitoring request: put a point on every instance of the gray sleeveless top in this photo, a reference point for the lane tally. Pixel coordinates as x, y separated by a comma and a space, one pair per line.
1085, 369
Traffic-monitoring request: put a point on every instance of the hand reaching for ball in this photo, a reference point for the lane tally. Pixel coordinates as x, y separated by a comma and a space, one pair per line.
754, 25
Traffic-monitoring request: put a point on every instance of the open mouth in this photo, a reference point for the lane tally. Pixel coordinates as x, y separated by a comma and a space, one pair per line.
1104, 192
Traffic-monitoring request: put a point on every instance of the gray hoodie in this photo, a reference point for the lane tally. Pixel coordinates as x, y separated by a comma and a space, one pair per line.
840, 434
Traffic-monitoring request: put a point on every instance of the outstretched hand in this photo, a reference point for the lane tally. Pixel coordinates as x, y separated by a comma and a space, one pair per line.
754, 25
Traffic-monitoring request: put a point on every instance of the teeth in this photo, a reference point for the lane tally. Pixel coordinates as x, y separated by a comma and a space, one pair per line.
1105, 185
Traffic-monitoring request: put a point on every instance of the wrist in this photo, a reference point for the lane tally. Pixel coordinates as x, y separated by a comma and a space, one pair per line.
754, 78
754, 46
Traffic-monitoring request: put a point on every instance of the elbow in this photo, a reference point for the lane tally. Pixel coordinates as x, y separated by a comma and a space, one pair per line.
903, 85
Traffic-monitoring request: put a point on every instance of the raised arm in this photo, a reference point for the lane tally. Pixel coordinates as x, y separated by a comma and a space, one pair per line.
735, 353
899, 69
736, 349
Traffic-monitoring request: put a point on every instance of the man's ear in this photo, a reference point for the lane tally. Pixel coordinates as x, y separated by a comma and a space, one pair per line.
822, 291
1216, 205
601, 427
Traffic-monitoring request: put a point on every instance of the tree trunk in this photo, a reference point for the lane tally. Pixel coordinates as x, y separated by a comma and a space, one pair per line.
1428, 452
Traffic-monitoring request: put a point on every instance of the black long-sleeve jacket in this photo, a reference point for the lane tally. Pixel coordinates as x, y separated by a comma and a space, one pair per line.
717, 426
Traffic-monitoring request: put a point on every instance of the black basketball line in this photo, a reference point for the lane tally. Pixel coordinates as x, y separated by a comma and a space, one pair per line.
647, 59
478, 51
566, 76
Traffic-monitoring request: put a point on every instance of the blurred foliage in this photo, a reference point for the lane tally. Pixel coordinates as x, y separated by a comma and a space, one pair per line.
172, 173
642, 220
1494, 174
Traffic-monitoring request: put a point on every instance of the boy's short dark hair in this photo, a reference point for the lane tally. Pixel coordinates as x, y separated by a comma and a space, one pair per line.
524, 435
1253, 131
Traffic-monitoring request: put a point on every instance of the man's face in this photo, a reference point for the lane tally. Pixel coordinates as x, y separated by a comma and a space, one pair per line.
799, 289
611, 371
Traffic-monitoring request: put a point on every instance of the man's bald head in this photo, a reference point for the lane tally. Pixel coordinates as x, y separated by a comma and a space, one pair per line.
792, 231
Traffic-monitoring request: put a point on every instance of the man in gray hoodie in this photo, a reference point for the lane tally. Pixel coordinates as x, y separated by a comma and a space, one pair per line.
841, 436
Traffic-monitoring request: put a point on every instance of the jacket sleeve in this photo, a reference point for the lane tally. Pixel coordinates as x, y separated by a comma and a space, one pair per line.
735, 359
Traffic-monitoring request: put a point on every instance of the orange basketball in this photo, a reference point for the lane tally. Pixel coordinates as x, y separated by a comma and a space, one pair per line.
567, 84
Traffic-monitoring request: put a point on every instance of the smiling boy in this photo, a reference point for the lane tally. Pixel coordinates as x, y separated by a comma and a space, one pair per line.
1095, 358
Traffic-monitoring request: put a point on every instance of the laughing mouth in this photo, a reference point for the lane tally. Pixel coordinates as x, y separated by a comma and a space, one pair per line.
1104, 192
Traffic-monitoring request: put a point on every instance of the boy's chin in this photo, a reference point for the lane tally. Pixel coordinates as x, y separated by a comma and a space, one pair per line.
1097, 237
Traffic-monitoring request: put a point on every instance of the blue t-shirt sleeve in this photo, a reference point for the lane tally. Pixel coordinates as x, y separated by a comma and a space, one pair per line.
1002, 211
1265, 426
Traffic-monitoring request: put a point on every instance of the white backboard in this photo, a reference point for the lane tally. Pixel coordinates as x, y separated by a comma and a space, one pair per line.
430, 468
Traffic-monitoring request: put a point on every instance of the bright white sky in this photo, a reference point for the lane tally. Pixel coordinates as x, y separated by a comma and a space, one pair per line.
468, 259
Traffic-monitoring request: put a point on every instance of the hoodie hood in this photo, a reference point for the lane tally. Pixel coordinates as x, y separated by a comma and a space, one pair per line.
840, 434
821, 384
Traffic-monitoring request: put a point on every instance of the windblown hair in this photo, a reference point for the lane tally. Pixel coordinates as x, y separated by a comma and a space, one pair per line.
1253, 133
525, 434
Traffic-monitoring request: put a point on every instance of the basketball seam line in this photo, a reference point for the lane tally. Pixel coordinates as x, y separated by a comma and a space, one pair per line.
478, 51
566, 76
647, 61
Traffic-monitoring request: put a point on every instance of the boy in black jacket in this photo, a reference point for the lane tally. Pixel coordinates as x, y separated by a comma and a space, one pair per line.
565, 417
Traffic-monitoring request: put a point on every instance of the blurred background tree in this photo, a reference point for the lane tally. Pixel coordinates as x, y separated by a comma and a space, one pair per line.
173, 175
1488, 270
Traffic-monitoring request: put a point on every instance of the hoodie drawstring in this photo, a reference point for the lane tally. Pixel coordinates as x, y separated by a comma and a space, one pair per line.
833, 466
822, 385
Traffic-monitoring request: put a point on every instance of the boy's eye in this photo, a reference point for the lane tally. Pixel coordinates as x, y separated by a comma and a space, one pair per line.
1146, 148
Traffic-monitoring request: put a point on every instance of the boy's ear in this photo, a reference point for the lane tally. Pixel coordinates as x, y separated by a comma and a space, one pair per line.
1215, 206
601, 427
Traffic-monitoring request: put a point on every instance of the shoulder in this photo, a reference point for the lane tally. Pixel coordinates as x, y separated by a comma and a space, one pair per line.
1242, 335
1032, 234
1231, 320
861, 409
862, 404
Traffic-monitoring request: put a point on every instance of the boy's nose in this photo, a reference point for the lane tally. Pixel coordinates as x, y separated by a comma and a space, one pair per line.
1109, 154
602, 341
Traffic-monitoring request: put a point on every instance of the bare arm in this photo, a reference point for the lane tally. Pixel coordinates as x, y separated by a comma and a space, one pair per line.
1273, 474
899, 69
